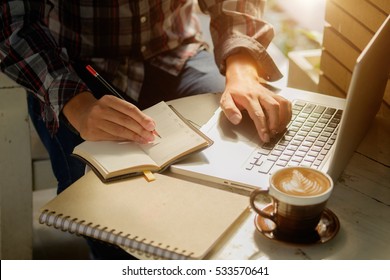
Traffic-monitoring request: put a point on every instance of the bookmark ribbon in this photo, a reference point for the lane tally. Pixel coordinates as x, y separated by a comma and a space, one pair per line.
149, 176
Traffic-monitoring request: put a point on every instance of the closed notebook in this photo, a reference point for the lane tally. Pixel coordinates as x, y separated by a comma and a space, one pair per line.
168, 218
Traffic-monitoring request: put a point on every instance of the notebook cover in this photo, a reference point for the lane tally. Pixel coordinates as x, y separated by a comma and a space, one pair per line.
168, 217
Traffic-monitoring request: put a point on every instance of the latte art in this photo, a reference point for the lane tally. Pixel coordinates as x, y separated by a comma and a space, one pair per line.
300, 183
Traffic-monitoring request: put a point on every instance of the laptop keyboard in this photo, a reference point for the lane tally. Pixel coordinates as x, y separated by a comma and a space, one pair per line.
306, 142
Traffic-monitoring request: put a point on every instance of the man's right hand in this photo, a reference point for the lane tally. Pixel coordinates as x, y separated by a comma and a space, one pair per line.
108, 118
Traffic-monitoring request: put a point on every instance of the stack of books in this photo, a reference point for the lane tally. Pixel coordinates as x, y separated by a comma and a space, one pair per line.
350, 25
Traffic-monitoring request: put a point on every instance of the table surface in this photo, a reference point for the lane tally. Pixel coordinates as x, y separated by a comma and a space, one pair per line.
361, 201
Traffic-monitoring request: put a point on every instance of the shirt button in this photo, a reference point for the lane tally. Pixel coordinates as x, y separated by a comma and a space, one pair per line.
143, 19
143, 48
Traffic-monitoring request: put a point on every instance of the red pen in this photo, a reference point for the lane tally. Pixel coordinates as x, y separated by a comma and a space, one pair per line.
110, 88
103, 82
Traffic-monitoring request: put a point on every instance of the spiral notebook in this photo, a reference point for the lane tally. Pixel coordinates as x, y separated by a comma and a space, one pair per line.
167, 218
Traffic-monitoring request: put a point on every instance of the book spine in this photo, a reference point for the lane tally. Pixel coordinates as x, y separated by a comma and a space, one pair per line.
135, 244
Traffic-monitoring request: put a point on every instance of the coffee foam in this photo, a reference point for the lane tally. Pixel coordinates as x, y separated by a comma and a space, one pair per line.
301, 182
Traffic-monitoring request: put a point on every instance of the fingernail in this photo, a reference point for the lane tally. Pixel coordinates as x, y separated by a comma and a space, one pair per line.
149, 137
141, 140
266, 137
150, 126
235, 119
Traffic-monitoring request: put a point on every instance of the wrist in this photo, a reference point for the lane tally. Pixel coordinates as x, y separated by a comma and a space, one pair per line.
74, 108
242, 65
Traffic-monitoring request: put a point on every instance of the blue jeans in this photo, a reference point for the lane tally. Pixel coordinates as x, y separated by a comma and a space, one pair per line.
200, 75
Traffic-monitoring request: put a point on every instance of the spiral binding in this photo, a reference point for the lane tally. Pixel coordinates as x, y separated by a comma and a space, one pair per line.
135, 244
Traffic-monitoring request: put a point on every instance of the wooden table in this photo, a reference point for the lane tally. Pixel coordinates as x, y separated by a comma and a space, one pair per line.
361, 201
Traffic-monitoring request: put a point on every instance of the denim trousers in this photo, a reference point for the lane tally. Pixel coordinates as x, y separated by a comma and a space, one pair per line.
200, 75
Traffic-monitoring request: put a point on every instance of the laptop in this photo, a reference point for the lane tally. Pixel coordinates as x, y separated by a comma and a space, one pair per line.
324, 131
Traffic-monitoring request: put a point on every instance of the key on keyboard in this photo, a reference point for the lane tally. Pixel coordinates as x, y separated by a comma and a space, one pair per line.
306, 142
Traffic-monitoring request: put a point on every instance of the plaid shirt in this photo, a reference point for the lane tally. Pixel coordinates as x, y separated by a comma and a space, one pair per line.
39, 40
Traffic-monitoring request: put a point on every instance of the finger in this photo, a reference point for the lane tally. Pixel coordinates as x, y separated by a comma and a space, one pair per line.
260, 120
105, 116
119, 132
285, 112
230, 109
121, 125
272, 112
101, 135
131, 111
129, 116
108, 132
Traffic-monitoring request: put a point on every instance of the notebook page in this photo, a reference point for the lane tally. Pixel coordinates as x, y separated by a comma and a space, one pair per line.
177, 137
111, 156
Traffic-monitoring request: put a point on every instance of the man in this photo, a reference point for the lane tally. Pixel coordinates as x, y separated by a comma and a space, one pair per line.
150, 50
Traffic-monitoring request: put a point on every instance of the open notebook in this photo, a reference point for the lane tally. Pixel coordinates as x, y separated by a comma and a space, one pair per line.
113, 160
168, 218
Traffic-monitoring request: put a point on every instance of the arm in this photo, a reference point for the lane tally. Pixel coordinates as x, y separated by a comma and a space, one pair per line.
270, 112
240, 39
30, 56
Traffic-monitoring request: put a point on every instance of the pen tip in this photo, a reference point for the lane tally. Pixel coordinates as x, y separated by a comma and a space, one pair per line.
155, 133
